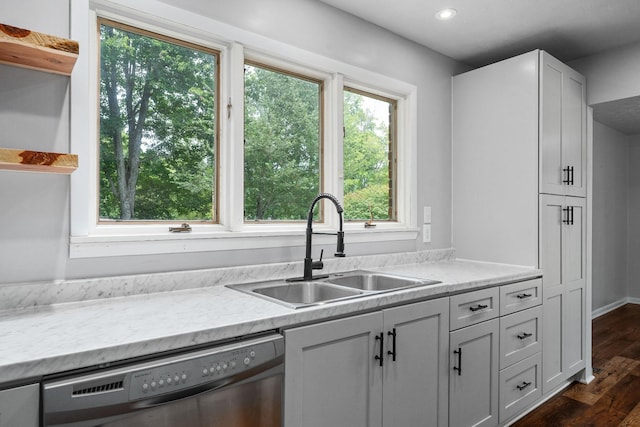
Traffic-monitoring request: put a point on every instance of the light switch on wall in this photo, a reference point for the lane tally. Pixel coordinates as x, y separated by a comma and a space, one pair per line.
427, 215
426, 233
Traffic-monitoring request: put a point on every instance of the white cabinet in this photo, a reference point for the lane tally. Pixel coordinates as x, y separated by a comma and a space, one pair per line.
20, 406
518, 139
343, 372
563, 259
563, 139
473, 384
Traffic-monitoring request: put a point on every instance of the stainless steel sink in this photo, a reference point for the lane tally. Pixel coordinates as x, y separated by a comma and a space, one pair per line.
336, 287
378, 282
299, 294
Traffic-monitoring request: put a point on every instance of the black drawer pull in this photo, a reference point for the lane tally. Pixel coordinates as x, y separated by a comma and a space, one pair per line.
392, 353
459, 367
523, 386
478, 307
523, 296
524, 335
380, 356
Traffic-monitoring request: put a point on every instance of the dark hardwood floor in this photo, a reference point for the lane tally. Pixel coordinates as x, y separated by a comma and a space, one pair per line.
612, 399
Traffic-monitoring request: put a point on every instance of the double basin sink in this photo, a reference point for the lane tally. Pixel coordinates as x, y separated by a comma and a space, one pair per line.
332, 288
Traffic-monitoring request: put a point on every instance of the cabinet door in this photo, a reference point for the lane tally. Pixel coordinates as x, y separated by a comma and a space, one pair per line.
331, 375
553, 333
415, 391
563, 259
563, 118
473, 385
574, 280
19, 407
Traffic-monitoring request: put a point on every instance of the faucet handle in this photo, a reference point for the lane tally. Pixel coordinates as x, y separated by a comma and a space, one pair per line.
318, 265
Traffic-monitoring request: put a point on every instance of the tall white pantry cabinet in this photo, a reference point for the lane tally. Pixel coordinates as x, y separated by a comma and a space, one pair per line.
519, 149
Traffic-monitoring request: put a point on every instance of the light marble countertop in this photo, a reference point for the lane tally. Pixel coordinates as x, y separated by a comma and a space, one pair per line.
46, 339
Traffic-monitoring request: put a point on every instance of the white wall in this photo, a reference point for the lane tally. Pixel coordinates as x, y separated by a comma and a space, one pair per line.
633, 277
610, 193
34, 114
611, 75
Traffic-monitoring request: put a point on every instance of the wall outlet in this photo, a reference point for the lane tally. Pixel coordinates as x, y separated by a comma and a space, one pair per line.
427, 215
426, 233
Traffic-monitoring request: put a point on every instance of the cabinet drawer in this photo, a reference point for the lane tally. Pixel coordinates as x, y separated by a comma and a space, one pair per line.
520, 336
521, 295
520, 386
473, 307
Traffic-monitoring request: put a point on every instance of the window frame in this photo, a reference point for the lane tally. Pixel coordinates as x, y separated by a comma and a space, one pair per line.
100, 20
89, 239
392, 156
309, 75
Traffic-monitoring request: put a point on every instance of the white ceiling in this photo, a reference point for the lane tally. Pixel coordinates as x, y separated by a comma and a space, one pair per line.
485, 31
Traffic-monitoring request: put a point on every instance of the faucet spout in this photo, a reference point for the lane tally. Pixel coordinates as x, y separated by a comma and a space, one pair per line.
309, 264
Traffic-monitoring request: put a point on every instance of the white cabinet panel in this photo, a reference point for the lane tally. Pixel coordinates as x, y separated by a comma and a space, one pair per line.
473, 385
563, 129
331, 375
19, 406
334, 375
520, 296
416, 382
474, 307
563, 259
520, 336
520, 386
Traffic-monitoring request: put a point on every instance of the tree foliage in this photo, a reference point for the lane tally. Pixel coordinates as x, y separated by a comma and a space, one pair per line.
282, 152
157, 128
366, 161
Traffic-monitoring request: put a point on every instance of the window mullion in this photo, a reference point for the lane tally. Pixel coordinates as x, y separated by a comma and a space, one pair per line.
233, 173
332, 170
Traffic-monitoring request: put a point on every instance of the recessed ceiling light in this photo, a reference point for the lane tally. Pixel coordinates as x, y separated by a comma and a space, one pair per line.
446, 14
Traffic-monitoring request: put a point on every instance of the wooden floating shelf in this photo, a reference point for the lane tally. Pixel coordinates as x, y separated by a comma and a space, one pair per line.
37, 161
38, 51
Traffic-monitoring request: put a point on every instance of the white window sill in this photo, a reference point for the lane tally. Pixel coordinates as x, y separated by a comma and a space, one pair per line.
214, 239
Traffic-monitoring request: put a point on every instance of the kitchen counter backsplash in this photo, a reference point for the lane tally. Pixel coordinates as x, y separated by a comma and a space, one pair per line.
17, 296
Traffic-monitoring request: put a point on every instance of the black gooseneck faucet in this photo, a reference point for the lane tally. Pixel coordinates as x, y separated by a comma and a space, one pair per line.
309, 263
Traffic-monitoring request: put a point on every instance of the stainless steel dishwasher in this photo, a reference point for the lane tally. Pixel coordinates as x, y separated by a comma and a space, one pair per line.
236, 385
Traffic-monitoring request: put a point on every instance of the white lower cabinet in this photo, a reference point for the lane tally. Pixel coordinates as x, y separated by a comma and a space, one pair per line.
19, 406
520, 386
384, 368
473, 379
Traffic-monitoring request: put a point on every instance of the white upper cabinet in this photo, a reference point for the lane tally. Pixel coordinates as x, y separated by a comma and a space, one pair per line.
563, 139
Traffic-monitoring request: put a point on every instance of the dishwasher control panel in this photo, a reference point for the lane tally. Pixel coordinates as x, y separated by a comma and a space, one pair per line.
91, 398
204, 368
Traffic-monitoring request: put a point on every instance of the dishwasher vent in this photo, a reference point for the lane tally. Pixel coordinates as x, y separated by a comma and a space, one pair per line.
99, 388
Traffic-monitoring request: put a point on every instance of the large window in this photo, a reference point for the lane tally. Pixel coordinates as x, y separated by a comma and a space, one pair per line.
158, 128
369, 156
235, 138
282, 143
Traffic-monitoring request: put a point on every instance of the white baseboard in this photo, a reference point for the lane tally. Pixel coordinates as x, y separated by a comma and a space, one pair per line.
610, 307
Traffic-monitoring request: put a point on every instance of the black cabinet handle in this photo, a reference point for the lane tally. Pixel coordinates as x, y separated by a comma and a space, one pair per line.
566, 219
380, 356
524, 335
569, 175
523, 386
459, 367
571, 215
567, 179
523, 296
478, 307
392, 352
